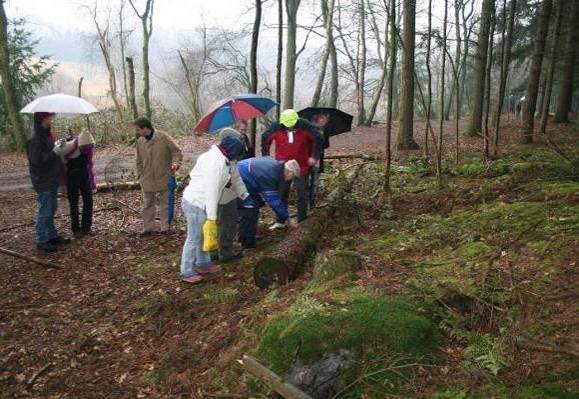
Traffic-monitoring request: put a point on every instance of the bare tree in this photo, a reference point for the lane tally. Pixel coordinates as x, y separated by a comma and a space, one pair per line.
442, 101
131, 83
18, 134
123, 36
147, 24
279, 56
475, 125
406, 129
361, 62
382, 59
327, 15
193, 86
551, 71
535, 72
429, 76
390, 91
292, 7
104, 43
568, 68
253, 62
488, 83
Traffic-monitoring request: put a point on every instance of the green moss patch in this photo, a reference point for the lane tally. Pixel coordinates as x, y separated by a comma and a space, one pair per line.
368, 323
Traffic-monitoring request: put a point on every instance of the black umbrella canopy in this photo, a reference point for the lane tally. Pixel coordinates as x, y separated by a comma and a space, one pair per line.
340, 121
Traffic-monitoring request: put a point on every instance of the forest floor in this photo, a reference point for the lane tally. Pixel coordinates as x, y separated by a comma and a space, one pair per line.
490, 260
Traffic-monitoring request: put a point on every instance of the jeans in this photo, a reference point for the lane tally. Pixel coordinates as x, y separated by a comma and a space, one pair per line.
301, 185
78, 184
248, 218
193, 256
47, 203
227, 217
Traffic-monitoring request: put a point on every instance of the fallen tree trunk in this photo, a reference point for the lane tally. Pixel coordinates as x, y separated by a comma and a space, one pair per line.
31, 259
285, 261
365, 157
273, 380
125, 185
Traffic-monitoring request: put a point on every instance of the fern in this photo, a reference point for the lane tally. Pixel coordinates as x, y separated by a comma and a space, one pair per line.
221, 295
484, 353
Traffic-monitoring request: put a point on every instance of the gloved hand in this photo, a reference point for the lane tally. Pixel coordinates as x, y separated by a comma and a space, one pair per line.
248, 202
59, 147
210, 239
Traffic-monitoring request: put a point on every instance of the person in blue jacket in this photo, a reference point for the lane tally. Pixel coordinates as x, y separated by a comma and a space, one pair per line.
262, 177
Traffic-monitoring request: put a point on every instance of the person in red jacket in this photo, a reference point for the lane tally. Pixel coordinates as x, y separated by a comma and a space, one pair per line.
295, 138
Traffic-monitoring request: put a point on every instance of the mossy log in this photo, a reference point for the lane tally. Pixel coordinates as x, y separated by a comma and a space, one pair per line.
335, 263
286, 260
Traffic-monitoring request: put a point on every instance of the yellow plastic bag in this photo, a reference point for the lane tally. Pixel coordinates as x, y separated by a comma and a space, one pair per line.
210, 240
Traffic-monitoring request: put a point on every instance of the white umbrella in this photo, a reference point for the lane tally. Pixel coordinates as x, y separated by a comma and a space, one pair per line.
60, 104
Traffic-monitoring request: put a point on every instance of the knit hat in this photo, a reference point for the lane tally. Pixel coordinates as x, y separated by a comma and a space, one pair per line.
289, 118
229, 131
40, 116
293, 166
85, 138
232, 146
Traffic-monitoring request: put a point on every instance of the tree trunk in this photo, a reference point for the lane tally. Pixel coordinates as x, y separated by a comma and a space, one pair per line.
475, 125
292, 7
488, 82
361, 61
505, 61
429, 74
146, 72
333, 102
535, 73
378, 94
253, 64
324, 61
406, 128
131, 78
122, 44
551, 72
567, 72
442, 78
147, 24
12, 106
390, 93
279, 65
193, 89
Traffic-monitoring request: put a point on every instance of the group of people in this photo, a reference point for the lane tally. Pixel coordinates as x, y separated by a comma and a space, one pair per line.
221, 202
54, 163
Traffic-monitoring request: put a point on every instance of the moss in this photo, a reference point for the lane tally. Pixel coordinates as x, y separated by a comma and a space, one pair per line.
469, 169
547, 391
475, 249
392, 325
564, 187
538, 247
330, 265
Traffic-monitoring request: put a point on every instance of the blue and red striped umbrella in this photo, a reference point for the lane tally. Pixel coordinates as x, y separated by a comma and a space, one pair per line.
235, 108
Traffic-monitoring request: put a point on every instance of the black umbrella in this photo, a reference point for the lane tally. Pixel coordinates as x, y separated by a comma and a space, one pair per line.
340, 122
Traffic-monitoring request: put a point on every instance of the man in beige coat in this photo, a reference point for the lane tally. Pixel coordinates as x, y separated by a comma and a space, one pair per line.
158, 158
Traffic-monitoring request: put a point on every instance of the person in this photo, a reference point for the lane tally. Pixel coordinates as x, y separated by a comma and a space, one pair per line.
263, 177
320, 122
208, 178
80, 181
295, 138
158, 158
241, 128
47, 174
228, 213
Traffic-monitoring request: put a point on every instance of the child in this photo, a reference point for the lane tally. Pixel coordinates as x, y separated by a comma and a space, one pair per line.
81, 182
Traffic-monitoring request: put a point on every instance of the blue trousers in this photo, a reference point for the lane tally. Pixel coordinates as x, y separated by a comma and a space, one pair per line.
45, 229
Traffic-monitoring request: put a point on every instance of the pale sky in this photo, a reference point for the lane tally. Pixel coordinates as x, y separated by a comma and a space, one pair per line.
170, 15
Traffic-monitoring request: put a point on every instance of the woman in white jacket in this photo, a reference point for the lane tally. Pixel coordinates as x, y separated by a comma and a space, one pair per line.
209, 177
